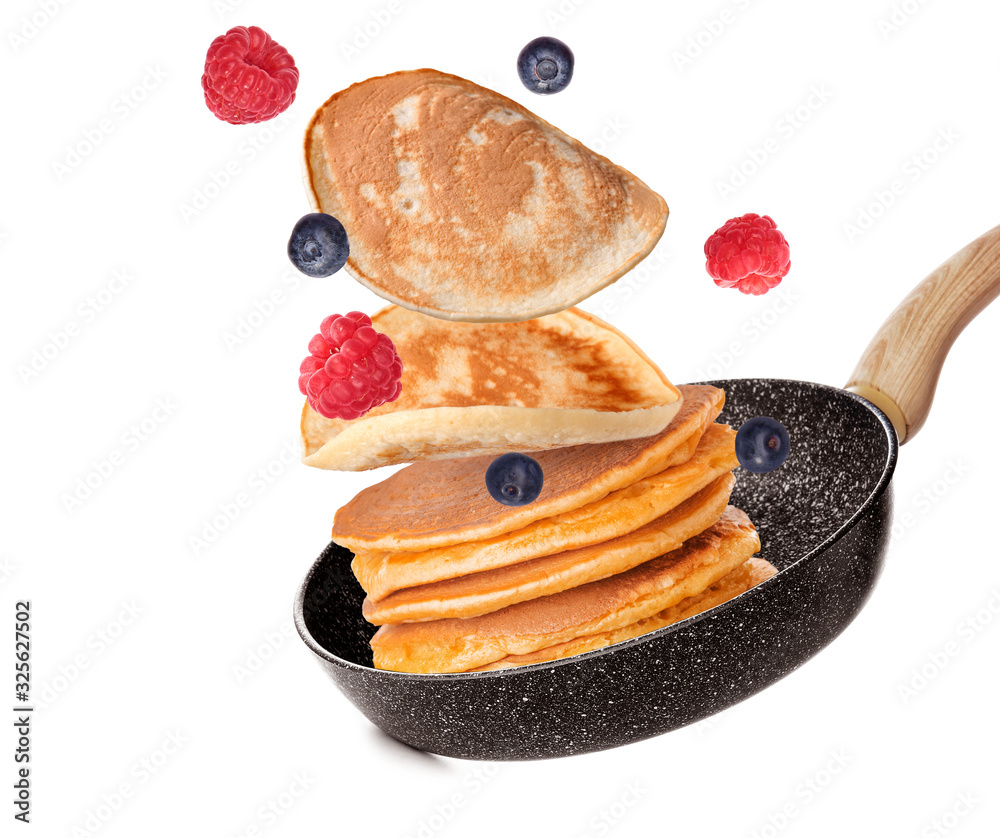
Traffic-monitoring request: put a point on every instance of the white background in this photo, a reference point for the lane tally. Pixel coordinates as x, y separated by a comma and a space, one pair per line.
112, 689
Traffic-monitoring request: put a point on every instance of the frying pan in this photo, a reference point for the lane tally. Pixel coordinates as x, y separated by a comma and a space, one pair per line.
824, 519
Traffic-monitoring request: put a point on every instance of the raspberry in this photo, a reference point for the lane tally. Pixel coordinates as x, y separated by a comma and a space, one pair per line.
748, 253
351, 368
249, 77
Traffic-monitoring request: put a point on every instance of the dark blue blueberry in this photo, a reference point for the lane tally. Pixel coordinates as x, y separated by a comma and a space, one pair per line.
545, 65
762, 444
514, 479
318, 246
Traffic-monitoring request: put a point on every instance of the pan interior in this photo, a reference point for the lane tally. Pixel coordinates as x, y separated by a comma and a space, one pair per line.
331, 600
841, 449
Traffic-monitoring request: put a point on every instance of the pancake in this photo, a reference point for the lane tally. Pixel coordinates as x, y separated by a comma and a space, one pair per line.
445, 502
490, 590
622, 511
462, 204
474, 388
457, 645
748, 575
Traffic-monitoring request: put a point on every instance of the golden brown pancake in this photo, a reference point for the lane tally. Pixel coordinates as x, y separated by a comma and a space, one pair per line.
457, 645
462, 204
475, 388
490, 590
748, 575
619, 512
445, 502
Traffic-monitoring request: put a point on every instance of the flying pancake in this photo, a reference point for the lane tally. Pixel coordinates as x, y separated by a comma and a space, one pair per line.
475, 388
462, 204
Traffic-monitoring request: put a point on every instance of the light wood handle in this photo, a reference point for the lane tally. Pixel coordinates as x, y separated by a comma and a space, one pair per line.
898, 372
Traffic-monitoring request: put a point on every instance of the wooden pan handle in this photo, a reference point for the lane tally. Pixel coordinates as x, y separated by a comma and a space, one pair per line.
898, 372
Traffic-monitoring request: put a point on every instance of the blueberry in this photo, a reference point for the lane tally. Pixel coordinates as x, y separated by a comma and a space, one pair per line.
318, 246
514, 479
545, 65
762, 444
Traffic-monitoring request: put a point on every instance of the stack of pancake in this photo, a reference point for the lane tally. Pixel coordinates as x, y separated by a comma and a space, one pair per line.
626, 537
485, 225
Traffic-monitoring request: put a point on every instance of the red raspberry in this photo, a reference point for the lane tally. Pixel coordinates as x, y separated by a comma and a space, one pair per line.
249, 77
352, 368
748, 253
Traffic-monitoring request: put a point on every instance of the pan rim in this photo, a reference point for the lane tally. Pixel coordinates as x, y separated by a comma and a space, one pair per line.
528, 669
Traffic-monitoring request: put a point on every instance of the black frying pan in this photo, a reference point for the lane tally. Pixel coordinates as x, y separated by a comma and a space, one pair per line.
824, 520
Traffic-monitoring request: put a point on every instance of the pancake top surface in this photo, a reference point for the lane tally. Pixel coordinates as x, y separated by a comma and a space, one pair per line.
443, 502
461, 203
566, 360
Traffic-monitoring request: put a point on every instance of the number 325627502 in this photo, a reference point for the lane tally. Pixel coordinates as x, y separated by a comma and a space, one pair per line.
22, 644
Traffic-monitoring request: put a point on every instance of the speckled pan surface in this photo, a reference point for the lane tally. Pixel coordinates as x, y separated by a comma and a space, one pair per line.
824, 519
